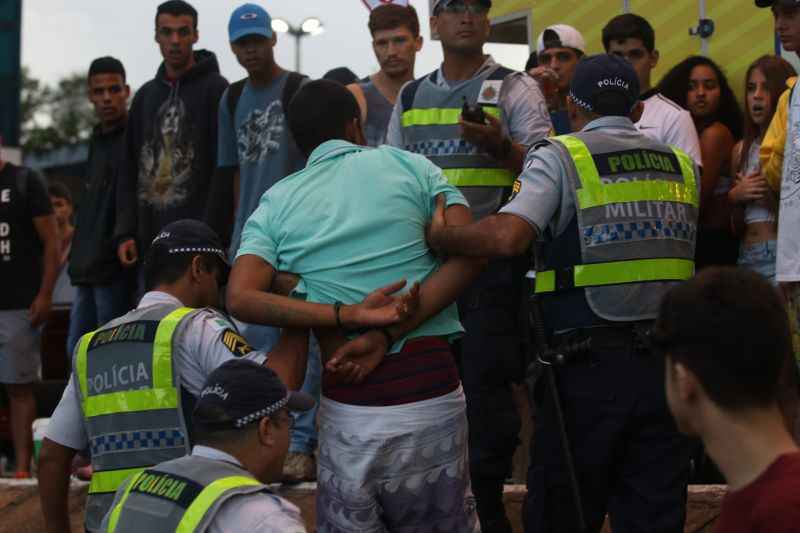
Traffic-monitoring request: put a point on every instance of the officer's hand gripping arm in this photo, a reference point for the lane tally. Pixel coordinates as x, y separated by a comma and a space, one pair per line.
439, 290
502, 235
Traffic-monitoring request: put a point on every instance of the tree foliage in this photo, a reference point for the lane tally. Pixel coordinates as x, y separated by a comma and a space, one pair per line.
54, 116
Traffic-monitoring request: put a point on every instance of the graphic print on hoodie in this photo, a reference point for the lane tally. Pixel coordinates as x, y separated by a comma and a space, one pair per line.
170, 152
167, 157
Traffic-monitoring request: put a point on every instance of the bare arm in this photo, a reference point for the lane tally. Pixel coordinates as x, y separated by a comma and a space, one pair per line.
289, 357
48, 234
716, 143
502, 235
737, 205
55, 463
248, 301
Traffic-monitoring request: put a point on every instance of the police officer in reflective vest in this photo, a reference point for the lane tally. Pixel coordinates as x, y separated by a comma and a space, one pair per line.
242, 429
482, 156
617, 214
135, 378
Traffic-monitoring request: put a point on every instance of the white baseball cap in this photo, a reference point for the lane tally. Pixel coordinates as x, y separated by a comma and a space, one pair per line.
565, 37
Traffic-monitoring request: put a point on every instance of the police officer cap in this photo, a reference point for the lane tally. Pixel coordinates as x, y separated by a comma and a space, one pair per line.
781, 3
605, 84
242, 392
189, 236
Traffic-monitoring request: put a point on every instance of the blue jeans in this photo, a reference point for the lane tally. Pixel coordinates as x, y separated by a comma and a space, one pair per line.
760, 257
304, 436
94, 305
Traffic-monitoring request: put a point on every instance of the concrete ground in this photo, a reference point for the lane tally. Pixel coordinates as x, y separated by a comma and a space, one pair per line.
20, 510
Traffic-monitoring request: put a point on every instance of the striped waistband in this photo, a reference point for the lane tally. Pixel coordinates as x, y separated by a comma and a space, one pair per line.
423, 369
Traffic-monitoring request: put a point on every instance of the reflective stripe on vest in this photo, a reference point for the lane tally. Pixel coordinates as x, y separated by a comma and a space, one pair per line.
162, 395
624, 264
617, 272
430, 126
478, 177
460, 177
110, 481
114, 518
197, 510
437, 116
595, 193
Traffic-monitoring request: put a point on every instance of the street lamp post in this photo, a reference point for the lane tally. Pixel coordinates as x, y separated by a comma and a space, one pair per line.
310, 26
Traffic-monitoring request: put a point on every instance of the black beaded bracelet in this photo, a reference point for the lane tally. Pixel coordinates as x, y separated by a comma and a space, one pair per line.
337, 306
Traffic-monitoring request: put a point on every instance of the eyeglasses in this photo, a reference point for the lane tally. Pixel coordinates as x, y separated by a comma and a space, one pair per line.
459, 7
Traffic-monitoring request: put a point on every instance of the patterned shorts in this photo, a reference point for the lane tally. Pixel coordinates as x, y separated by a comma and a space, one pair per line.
399, 468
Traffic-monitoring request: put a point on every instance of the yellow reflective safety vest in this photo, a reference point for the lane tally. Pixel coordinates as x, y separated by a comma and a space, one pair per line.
633, 234
429, 119
181, 496
130, 398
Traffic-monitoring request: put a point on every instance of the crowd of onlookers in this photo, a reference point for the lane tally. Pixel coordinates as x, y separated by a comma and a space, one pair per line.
190, 145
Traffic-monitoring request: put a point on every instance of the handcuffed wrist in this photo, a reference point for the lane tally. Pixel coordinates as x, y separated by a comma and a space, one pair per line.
389, 338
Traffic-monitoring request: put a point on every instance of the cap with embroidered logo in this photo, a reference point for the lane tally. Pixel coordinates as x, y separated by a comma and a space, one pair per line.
605, 84
241, 392
249, 19
188, 236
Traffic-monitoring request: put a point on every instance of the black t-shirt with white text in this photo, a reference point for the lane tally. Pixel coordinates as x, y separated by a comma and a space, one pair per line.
23, 196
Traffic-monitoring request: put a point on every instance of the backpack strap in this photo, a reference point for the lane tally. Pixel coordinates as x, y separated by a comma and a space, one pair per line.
234, 93
290, 89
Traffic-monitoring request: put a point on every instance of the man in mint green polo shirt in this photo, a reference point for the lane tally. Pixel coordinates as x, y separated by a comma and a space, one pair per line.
354, 219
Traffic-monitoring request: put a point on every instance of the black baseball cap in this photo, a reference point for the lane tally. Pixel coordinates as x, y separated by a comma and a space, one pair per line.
189, 236
782, 3
605, 74
442, 3
240, 392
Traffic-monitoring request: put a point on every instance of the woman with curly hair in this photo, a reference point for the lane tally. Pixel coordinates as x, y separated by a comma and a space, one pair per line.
699, 85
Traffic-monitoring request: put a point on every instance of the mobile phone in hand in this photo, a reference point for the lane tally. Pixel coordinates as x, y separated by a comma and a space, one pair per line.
473, 113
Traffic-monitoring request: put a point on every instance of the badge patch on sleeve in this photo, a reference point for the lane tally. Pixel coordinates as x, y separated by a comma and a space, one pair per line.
490, 92
236, 343
515, 189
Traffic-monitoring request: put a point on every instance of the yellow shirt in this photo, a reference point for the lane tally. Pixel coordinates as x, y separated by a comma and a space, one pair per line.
771, 153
